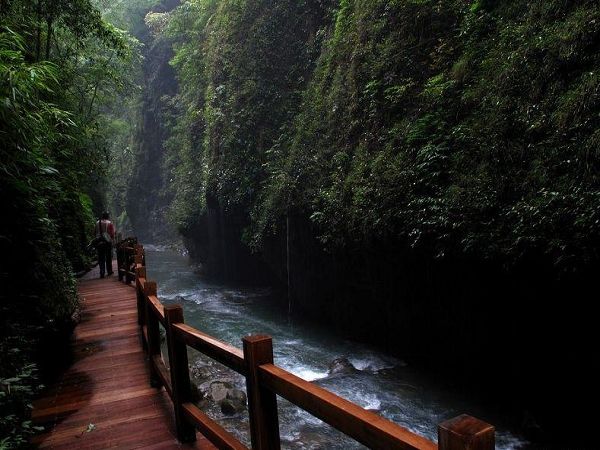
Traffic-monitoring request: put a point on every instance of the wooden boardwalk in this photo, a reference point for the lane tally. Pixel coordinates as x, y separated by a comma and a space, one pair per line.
104, 399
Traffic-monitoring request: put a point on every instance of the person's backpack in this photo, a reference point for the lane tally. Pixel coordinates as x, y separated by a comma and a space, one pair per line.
104, 237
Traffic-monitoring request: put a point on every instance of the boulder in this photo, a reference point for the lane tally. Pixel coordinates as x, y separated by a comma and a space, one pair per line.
195, 391
204, 389
228, 407
218, 390
201, 372
341, 365
234, 403
238, 396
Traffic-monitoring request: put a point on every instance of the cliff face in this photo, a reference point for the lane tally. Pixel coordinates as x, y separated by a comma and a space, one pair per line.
456, 134
147, 201
242, 68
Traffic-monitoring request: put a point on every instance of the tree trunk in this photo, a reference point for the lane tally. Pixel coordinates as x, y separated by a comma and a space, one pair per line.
38, 40
48, 35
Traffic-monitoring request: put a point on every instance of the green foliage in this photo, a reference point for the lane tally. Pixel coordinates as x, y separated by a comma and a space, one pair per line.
28, 182
453, 128
16, 395
127, 14
59, 66
185, 162
235, 95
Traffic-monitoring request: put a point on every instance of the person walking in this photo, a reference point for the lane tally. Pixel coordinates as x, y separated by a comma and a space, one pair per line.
105, 232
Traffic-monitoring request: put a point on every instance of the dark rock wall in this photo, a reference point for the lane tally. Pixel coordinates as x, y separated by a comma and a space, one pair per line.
147, 202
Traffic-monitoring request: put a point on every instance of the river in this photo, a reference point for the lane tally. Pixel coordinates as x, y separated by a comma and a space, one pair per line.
378, 381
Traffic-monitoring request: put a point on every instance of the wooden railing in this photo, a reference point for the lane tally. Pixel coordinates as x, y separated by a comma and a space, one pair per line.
264, 381
125, 250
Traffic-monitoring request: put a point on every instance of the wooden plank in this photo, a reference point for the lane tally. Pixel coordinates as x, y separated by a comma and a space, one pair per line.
107, 384
366, 427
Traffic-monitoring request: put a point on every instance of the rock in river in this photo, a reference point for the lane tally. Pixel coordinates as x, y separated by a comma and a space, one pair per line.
341, 365
234, 403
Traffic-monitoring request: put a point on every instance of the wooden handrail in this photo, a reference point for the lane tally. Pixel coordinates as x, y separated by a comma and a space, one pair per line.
157, 308
214, 432
211, 347
264, 380
127, 252
365, 426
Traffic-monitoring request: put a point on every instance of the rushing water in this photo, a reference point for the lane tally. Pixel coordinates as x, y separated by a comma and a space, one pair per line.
380, 382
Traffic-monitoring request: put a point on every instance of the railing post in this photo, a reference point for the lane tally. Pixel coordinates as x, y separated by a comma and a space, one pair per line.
262, 403
465, 433
119, 250
180, 375
153, 331
139, 250
140, 272
137, 260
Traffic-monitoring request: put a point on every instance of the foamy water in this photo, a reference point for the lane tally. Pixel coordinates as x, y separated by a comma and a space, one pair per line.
306, 373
